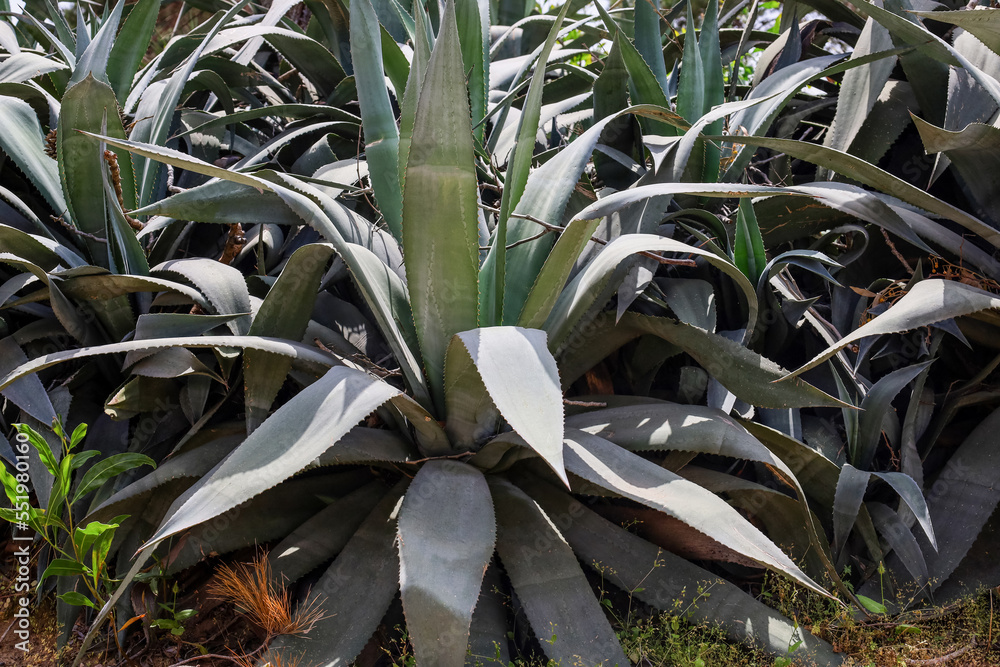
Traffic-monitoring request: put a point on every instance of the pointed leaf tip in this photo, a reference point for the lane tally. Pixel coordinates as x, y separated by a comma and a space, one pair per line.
527, 393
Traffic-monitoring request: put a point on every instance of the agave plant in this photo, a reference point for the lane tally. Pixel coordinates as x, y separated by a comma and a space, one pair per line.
66, 234
933, 209
925, 175
455, 329
925, 219
484, 446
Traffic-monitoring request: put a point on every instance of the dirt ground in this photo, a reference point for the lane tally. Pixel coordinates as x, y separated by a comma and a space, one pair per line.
216, 628
964, 635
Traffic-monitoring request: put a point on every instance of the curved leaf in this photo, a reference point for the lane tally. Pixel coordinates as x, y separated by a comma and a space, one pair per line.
273, 111
745, 373
494, 282
43, 252
901, 540
817, 474
913, 497
324, 534
381, 134
224, 288
864, 172
748, 246
28, 393
303, 353
648, 41
877, 402
600, 462
90, 105
644, 62
387, 296
223, 202
581, 294
851, 487
474, 30
22, 140
408, 103
697, 429
355, 592
285, 313
861, 87
254, 522
984, 23
104, 286
927, 302
186, 465
545, 197
962, 498
294, 435
131, 45
555, 271
691, 82
973, 152
21, 67
156, 129
666, 581
94, 59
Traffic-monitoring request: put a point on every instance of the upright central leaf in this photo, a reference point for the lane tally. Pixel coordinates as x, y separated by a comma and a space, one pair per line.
440, 237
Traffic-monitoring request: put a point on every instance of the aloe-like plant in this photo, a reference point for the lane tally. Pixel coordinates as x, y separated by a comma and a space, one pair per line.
484, 444
458, 301
942, 203
933, 222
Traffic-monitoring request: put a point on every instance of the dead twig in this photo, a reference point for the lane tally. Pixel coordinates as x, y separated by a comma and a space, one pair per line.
898, 255
238, 660
941, 660
436, 458
585, 404
556, 228
77, 231
4, 635
234, 243
761, 163
522, 241
171, 188
323, 347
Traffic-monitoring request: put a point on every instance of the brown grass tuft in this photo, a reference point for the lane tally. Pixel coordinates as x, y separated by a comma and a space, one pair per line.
262, 599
